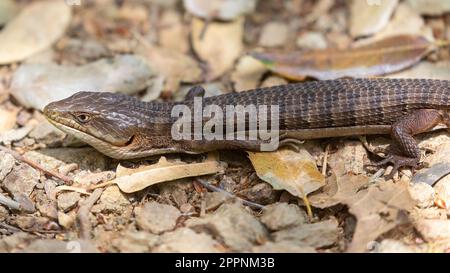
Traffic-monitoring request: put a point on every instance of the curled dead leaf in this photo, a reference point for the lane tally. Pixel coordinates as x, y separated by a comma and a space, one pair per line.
133, 180
382, 57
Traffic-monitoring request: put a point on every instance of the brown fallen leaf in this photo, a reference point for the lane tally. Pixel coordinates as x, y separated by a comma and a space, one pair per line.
8, 119
284, 169
133, 180
248, 73
385, 206
175, 66
338, 190
220, 45
378, 58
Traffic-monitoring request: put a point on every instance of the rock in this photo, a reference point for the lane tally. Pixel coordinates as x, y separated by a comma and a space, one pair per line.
422, 194
282, 247
68, 200
282, 215
135, 242
47, 134
219, 9
430, 7
36, 85
21, 180
56, 246
393, 246
233, 225
157, 218
433, 230
312, 40
6, 164
86, 158
367, 19
316, 235
36, 28
261, 193
214, 199
185, 240
442, 189
114, 201
8, 9
273, 34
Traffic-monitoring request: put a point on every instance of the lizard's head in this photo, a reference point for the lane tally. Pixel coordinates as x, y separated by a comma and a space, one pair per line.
100, 119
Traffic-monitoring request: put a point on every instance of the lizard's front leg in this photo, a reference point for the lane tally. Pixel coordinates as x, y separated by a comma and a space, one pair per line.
402, 133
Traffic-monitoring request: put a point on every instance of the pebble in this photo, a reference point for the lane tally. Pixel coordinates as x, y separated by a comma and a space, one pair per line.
316, 235
156, 218
114, 201
233, 224
185, 240
423, 194
22, 179
312, 40
68, 200
282, 215
274, 34
6, 164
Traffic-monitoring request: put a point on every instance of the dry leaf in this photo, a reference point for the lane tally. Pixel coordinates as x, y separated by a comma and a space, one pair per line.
174, 34
368, 19
404, 22
175, 66
248, 73
383, 207
133, 180
220, 45
288, 170
338, 190
382, 57
7, 119
38, 26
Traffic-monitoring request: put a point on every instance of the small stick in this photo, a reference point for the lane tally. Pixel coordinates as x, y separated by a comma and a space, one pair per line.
36, 165
83, 214
325, 160
229, 194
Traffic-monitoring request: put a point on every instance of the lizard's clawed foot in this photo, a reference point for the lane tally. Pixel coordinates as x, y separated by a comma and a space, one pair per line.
397, 162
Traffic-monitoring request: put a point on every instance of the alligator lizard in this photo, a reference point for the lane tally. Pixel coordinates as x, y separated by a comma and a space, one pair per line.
123, 127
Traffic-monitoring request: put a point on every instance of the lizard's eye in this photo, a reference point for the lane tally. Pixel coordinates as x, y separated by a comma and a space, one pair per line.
83, 118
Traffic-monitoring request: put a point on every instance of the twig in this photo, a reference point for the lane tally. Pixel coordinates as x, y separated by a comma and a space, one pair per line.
36, 165
229, 194
10, 228
9, 203
325, 160
83, 214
